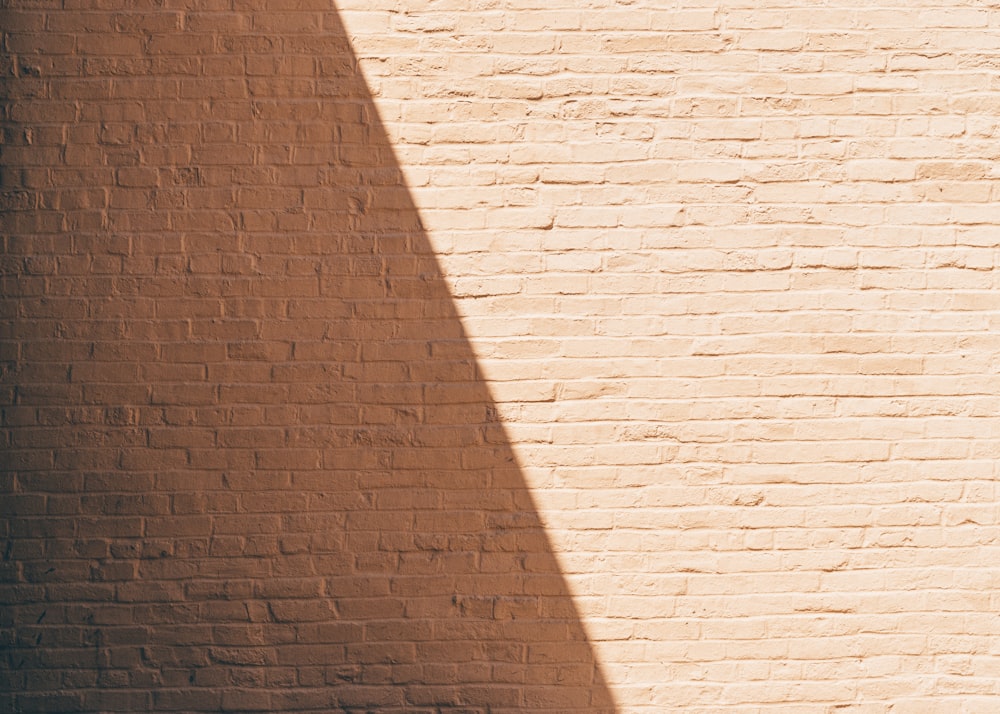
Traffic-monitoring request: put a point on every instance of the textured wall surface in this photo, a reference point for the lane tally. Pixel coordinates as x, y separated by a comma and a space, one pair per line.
552, 356
250, 464
729, 266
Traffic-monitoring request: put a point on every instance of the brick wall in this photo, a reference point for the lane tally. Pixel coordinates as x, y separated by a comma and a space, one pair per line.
576, 353
251, 464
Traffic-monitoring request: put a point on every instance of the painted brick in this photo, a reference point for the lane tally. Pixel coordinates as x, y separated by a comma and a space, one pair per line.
537, 356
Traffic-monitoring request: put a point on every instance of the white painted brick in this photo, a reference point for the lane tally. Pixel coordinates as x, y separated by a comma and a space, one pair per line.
730, 268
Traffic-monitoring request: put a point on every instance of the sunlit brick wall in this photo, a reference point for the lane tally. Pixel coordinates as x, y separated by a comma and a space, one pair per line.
641, 357
730, 269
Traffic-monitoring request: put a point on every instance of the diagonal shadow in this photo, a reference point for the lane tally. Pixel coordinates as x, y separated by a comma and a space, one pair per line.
250, 463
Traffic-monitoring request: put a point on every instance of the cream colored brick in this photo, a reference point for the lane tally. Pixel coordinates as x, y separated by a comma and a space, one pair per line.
741, 245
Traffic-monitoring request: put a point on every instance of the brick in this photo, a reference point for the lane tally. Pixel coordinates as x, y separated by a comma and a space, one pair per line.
728, 273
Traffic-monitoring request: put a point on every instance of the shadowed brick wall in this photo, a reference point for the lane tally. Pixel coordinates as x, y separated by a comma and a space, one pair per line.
551, 356
249, 461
